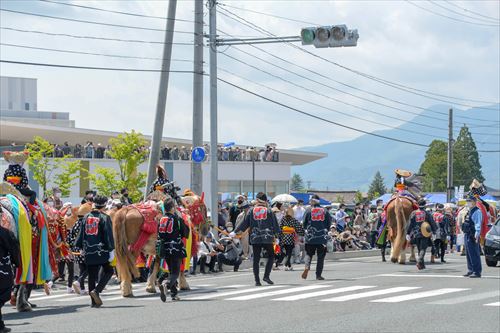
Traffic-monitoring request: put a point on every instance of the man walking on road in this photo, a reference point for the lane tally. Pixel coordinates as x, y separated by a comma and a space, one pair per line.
264, 230
97, 244
472, 231
317, 222
421, 228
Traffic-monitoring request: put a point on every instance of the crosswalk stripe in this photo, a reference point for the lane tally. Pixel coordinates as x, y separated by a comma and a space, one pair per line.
277, 292
369, 294
493, 304
230, 293
423, 294
469, 298
321, 293
435, 275
196, 291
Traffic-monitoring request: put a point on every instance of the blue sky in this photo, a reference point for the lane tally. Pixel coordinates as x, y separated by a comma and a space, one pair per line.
398, 42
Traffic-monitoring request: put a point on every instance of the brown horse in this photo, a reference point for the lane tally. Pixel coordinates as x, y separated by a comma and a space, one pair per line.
129, 225
398, 210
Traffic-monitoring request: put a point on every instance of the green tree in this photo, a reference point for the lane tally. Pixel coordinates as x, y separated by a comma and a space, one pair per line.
128, 149
466, 165
377, 186
66, 178
340, 199
434, 167
358, 197
105, 180
40, 162
297, 183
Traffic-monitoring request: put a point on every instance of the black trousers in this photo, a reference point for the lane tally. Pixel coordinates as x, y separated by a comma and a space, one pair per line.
257, 249
83, 274
203, 264
422, 244
2, 324
320, 250
71, 271
439, 248
221, 260
29, 193
93, 271
174, 267
288, 254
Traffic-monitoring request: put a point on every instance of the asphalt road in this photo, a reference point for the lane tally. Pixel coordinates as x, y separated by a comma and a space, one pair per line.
358, 295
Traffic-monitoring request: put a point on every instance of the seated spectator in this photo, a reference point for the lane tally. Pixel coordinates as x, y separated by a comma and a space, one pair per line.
230, 254
206, 254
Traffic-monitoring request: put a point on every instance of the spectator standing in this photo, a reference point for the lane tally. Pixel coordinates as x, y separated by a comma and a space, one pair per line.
89, 150
125, 199
290, 230
66, 149
175, 153
78, 151
107, 153
99, 151
340, 218
372, 225
244, 207
58, 152
235, 210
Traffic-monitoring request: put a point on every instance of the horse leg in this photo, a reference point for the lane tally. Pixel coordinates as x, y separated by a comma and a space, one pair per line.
183, 284
150, 286
124, 275
402, 255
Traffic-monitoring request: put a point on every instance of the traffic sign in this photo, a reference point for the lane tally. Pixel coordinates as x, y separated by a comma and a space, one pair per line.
198, 154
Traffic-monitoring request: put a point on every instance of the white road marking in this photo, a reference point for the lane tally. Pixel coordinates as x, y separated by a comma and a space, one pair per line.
181, 296
424, 294
435, 275
321, 293
468, 298
493, 304
369, 294
277, 292
235, 292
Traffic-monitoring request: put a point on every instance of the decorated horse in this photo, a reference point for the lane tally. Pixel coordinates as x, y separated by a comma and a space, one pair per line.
135, 232
402, 203
31, 231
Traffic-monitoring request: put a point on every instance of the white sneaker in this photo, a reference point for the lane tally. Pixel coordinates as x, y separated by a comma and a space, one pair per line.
84, 292
70, 290
47, 287
76, 287
286, 268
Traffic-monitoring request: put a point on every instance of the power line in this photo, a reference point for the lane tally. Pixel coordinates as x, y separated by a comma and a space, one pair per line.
472, 12
92, 68
325, 107
88, 53
267, 14
92, 37
385, 82
427, 126
435, 3
92, 22
114, 11
318, 117
450, 17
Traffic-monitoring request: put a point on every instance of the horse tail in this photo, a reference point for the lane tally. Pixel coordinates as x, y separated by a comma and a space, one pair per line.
125, 261
399, 240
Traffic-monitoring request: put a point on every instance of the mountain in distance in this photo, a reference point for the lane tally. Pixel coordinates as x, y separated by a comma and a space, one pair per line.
351, 165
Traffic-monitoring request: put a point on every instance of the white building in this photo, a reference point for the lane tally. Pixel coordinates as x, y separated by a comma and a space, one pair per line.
18, 102
20, 122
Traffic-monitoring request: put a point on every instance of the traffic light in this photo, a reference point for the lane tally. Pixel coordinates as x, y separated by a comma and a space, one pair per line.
329, 36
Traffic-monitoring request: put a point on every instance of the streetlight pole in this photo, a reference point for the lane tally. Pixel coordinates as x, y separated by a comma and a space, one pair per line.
214, 181
196, 170
449, 178
154, 156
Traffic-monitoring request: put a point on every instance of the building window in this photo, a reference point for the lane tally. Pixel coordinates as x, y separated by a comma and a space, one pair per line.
260, 186
27, 106
276, 187
10, 105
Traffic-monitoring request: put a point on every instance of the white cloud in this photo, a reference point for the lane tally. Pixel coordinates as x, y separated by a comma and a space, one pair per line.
397, 42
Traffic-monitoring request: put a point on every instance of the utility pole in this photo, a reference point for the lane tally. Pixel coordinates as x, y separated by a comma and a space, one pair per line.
196, 170
154, 156
214, 179
449, 179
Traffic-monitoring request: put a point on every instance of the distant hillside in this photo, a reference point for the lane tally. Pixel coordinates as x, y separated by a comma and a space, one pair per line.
352, 164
